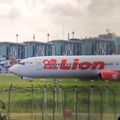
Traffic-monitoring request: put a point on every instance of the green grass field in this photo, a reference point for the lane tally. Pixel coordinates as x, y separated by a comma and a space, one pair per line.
6, 80
23, 100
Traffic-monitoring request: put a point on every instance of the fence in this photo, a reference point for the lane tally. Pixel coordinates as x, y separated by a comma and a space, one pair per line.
60, 103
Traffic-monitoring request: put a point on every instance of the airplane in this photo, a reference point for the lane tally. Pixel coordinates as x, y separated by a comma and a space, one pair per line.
100, 67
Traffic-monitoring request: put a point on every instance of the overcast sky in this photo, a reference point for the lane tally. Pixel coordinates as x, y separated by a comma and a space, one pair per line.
58, 18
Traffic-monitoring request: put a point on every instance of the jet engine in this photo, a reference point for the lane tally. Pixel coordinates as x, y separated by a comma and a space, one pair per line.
109, 75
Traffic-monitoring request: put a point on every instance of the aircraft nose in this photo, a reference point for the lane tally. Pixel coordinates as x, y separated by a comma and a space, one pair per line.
15, 70
11, 70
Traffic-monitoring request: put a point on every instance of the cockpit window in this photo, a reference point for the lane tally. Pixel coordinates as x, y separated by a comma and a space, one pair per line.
23, 63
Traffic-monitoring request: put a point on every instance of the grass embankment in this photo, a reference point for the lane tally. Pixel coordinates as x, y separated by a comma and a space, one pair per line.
19, 84
7, 80
22, 99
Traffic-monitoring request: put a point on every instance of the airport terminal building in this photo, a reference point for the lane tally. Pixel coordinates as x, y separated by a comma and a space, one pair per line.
102, 45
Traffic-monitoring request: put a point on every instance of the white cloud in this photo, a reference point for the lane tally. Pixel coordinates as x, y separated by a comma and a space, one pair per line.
39, 17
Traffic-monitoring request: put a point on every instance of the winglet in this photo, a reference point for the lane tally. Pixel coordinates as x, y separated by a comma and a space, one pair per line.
13, 61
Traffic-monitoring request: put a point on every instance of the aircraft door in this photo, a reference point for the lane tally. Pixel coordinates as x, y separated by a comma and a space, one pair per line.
38, 64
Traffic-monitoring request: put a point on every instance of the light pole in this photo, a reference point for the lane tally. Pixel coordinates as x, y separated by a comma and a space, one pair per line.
16, 38
48, 36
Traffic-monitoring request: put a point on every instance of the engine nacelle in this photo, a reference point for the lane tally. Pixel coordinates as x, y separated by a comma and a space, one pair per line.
110, 75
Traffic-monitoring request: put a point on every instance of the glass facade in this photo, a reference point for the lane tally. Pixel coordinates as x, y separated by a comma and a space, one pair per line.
87, 46
117, 45
34, 48
8, 49
98, 47
65, 47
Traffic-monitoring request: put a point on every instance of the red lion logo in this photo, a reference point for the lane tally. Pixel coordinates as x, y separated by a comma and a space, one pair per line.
50, 64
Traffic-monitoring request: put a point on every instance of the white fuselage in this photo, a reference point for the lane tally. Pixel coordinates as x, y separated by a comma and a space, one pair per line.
66, 66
